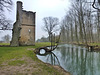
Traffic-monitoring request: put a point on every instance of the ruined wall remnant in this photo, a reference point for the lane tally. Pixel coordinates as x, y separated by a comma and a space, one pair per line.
27, 35
24, 27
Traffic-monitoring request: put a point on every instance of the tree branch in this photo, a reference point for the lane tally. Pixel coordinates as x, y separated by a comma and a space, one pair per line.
94, 6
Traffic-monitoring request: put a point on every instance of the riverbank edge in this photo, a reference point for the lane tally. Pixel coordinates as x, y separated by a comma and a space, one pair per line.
6, 69
59, 68
96, 47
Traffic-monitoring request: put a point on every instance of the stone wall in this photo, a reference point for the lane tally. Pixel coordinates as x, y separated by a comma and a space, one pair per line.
27, 34
24, 27
28, 17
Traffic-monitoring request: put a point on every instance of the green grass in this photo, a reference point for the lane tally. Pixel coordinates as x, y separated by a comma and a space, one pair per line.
4, 43
8, 53
16, 62
42, 44
94, 44
13, 55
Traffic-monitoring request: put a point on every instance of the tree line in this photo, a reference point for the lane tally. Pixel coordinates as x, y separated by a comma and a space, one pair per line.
81, 23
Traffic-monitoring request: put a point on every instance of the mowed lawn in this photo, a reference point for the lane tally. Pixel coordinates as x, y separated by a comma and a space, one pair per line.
23, 61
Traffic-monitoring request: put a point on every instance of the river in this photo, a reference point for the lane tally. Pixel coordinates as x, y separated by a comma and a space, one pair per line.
75, 59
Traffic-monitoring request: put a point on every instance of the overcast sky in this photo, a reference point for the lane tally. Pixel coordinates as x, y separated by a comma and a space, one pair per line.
43, 8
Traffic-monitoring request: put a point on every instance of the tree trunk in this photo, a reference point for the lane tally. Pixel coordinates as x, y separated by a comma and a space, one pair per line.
76, 32
71, 33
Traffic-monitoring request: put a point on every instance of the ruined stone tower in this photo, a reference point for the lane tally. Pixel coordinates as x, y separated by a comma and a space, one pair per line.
24, 27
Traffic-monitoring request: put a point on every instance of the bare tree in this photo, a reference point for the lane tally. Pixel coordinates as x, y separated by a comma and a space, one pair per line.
50, 25
82, 23
4, 5
63, 31
7, 38
78, 23
93, 4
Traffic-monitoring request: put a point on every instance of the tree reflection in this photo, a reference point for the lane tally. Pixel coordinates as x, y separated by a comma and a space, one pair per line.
51, 58
75, 59
79, 61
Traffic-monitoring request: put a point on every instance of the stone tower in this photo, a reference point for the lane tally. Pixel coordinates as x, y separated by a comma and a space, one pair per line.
24, 27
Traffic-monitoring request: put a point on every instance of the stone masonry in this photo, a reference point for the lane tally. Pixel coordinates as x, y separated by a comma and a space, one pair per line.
24, 27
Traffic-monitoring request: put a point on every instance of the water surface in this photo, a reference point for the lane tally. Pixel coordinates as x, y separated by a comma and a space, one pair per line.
74, 59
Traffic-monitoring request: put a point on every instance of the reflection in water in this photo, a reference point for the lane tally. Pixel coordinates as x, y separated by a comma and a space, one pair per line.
50, 57
75, 59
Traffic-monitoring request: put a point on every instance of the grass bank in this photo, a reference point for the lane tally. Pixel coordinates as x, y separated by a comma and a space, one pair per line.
95, 46
91, 44
23, 61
